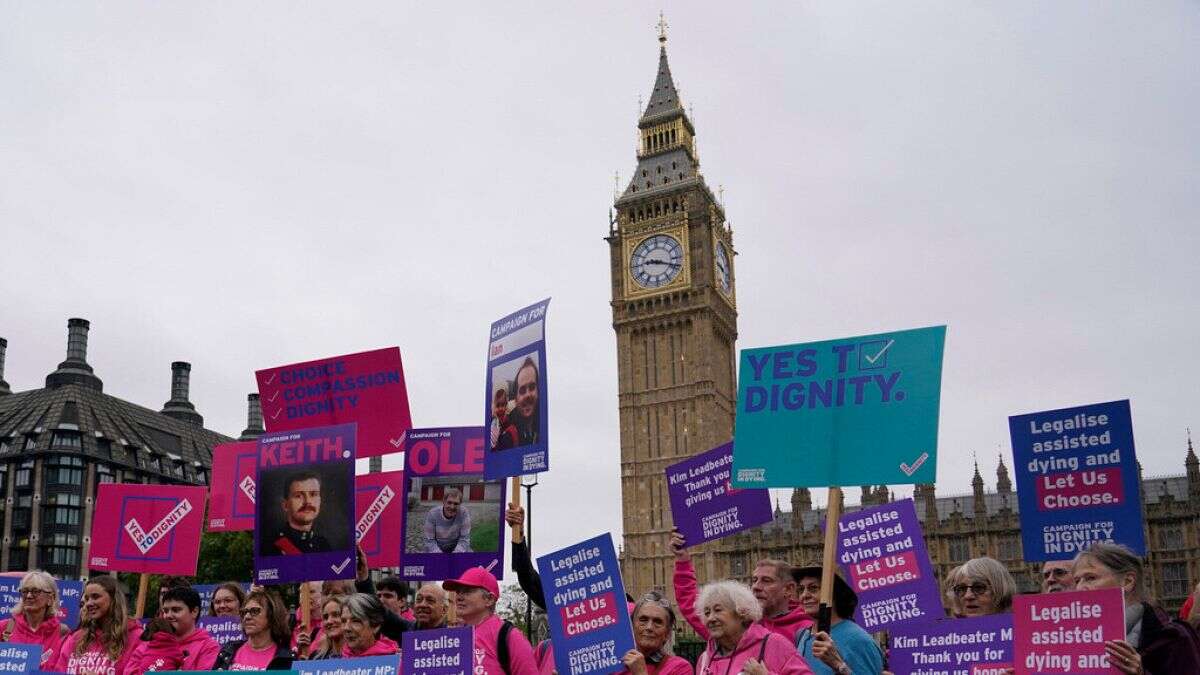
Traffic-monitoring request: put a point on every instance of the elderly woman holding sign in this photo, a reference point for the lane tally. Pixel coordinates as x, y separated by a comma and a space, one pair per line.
362, 622
1154, 642
736, 643
34, 618
980, 587
654, 633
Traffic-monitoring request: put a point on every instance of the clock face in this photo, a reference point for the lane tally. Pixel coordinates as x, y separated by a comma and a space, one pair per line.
723, 267
656, 261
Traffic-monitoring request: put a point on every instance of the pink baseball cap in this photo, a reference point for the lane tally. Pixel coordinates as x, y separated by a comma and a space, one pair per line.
476, 577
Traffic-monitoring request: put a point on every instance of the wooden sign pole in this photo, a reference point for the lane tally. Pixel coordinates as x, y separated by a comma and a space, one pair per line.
139, 607
305, 610
518, 531
832, 514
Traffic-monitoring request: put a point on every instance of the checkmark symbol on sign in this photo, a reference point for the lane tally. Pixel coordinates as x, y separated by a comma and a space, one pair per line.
396, 441
273, 397
271, 378
337, 569
911, 469
872, 359
276, 415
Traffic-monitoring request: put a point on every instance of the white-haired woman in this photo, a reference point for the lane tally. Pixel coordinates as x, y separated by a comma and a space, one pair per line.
34, 618
1154, 643
980, 587
737, 644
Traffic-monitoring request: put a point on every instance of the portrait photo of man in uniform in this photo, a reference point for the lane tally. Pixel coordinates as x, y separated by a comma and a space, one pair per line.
296, 516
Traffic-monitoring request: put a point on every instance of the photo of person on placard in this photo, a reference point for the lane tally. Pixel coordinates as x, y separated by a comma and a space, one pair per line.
292, 501
453, 514
517, 417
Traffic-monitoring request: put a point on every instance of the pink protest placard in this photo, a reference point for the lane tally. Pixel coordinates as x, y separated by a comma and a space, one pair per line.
231, 504
1066, 632
378, 501
147, 528
366, 388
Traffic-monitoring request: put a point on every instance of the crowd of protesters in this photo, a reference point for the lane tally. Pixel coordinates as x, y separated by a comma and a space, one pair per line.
764, 627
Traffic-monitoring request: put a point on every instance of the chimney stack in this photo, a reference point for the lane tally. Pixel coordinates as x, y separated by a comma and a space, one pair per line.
75, 370
3, 385
179, 406
254, 419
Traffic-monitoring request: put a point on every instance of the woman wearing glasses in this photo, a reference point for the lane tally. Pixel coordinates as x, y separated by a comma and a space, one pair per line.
979, 587
654, 635
106, 636
35, 616
268, 641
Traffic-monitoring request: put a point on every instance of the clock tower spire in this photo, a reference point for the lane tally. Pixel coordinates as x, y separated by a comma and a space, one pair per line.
675, 316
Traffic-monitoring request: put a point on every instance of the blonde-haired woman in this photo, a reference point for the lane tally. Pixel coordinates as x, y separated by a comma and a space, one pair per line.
106, 635
736, 643
979, 587
34, 618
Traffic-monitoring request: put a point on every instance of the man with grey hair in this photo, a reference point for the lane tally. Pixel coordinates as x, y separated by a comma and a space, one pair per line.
1056, 576
448, 529
430, 606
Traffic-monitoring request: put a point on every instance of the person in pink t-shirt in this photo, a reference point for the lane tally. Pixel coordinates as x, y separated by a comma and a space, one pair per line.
475, 601
362, 621
106, 636
266, 647
184, 646
34, 619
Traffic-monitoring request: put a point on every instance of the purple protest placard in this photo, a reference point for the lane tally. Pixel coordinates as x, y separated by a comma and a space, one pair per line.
452, 517
703, 505
223, 629
443, 651
516, 396
951, 646
883, 551
304, 514
1066, 632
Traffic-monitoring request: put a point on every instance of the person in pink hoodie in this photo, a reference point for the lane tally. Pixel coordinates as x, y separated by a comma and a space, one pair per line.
475, 602
653, 635
106, 636
738, 642
362, 621
772, 585
34, 618
186, 645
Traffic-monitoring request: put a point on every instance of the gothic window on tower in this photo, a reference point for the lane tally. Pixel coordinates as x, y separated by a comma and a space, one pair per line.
1170, 538
1175, 580
960, 549
1010, 548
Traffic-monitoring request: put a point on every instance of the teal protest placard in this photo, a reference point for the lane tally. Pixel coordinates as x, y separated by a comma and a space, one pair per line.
854, 411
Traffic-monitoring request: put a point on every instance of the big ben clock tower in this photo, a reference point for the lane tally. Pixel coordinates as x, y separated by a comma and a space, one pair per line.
675, 315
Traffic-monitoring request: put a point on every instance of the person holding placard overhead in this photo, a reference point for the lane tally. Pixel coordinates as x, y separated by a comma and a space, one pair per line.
106, 635
980, 587
738, 642
846, 649
1154, 644
772, 585
34, 619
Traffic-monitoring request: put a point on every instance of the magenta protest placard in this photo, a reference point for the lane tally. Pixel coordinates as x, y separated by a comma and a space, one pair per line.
231, 498
365, 388
883, 551
378, 498
703, 505
147, 528
1065, 632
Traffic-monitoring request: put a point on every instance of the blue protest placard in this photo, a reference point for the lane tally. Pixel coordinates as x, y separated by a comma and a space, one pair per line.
444, 651
952, 646
69, 593
1077, 480
704, 506
19, 658
517, 397
586, 609
853, 411
883, 551
452, 519
223, 629
304, 512
362, 665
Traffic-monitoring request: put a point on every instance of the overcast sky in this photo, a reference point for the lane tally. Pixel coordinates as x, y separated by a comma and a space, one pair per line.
243, 185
